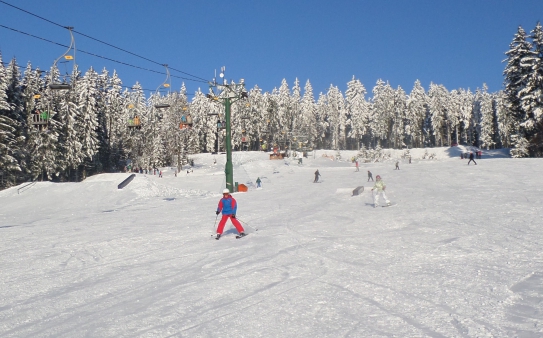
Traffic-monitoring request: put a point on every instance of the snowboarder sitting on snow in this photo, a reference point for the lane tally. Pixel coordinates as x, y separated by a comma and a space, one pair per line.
370, 176
471, 159
380, 186
317, 174
228, 206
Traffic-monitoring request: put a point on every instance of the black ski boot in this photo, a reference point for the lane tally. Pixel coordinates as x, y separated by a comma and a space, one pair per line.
241, 234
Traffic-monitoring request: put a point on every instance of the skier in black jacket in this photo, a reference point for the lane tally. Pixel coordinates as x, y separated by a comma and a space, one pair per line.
317, 174
471, 158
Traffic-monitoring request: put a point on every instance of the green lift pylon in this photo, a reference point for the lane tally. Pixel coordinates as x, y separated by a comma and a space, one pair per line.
228, 94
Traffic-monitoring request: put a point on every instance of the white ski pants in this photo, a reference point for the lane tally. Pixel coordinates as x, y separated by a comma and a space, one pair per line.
376, 197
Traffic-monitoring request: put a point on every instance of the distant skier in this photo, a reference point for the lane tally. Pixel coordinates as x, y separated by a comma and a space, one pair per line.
471, 158
228, 206
397, 165
370, 176
356, 165
380, 187
258, 181
160, 174
317, 174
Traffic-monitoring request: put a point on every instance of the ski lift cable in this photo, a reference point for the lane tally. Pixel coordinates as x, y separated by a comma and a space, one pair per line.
97, 40
43, 71
98, 56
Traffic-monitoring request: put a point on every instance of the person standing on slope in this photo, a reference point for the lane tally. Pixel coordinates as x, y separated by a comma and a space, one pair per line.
317, 174
471, 158
356, 164
370, 176
228, 206
380, 186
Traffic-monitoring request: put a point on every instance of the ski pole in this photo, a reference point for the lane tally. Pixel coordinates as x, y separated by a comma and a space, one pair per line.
249, 225
215, 225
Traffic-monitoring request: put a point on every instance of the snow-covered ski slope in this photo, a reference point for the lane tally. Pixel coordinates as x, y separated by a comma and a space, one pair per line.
461, 255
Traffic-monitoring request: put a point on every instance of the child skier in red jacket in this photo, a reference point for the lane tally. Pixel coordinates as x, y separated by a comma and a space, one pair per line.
228, 206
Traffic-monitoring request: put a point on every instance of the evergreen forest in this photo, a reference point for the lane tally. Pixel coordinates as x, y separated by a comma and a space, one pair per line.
97, 125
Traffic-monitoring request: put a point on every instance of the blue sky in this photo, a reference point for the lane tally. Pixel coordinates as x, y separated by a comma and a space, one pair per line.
459, 44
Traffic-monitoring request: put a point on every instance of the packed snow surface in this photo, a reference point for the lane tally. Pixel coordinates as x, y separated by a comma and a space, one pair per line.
460, 255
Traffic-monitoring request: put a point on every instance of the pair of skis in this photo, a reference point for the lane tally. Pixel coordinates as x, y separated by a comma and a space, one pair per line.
237, 236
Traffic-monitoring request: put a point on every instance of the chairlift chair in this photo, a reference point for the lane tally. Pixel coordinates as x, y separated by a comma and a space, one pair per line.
65, 86
40, 119
134, 123
166, 84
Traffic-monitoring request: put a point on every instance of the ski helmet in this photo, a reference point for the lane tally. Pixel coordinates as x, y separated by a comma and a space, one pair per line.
378, 176
226, 191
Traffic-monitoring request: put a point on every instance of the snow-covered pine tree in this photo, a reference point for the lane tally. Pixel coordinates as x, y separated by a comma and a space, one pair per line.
14, 91
4, 105
517, 73
455, 116
116, 126
476, 117
416, 114
438, 96
69, 148
505, 120
487, 131
87, 125
531, 96
381, 112
398, 118
9, 165
336, 117
358, 109
322, 123
272, 116
465, 105
308, 118
284, 113
255, 119
522, 147
295, 107
102, 115
202, 129
133, 138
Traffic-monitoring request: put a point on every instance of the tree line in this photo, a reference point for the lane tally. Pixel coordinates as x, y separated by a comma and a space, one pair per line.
89, 127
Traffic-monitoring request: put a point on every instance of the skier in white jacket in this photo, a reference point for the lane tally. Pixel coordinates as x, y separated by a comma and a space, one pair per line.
380, 186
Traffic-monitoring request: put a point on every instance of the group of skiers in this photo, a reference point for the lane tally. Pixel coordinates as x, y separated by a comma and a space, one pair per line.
228, 206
